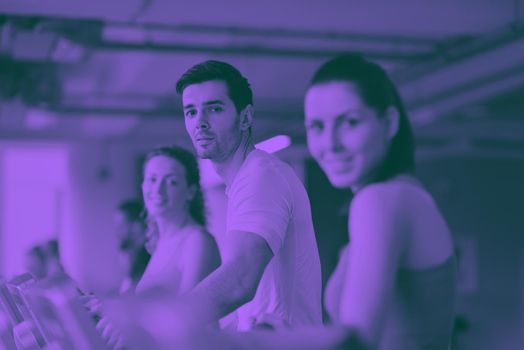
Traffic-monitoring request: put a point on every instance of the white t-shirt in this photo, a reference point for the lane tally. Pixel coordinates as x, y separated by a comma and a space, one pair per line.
268, 199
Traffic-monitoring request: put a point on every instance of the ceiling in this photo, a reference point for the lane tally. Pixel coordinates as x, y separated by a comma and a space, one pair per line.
72, 68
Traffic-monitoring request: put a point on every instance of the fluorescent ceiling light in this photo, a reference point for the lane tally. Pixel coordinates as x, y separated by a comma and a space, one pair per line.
274, 144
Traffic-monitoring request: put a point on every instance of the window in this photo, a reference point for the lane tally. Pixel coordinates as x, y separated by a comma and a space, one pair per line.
33, 199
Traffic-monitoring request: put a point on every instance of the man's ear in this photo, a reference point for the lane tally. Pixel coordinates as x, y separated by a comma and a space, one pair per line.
393, 121
246, 117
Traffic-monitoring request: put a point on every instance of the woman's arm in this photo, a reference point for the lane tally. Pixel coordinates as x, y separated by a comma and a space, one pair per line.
378, 229
200, 258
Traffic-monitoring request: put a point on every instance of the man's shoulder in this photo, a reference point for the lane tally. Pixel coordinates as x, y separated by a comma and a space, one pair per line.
263, 172
263, 165
259, 158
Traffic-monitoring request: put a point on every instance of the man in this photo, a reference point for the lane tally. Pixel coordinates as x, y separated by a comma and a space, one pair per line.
271, 268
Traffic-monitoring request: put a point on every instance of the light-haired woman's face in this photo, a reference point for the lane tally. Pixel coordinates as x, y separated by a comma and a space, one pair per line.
345, 136
164, 187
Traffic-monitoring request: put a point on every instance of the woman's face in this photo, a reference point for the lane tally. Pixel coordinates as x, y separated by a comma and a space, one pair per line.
164, 187
347, 138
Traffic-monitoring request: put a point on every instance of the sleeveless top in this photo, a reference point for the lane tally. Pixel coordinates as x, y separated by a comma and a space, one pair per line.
164, 267
421, 313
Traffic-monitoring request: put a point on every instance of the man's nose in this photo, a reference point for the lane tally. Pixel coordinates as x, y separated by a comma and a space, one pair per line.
202, 120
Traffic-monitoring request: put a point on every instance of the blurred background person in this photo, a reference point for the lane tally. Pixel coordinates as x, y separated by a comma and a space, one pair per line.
43, 260
53, 263
35, 261
131, 234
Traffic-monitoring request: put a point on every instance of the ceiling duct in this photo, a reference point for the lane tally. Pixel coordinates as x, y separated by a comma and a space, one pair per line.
34, 83
477, 71
37, 39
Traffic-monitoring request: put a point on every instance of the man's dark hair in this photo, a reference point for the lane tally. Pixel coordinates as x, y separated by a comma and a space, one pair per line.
238, 86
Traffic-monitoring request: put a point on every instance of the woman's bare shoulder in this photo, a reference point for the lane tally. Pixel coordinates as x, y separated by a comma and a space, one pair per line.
400, 192
199, 236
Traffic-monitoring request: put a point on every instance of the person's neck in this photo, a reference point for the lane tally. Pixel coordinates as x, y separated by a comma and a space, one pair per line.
173, 225
228, 168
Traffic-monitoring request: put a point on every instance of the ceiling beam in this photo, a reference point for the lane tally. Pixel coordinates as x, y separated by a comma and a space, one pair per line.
471, 78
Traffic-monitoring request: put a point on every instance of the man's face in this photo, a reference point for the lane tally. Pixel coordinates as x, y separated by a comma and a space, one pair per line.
212, 120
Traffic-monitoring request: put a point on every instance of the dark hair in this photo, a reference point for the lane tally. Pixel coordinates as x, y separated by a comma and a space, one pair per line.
131, 208
38, 251
377, 91
238, 86
188, 160
52, 248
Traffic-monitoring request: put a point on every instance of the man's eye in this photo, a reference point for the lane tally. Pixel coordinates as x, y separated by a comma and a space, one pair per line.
215, 109
315, 127
190, 113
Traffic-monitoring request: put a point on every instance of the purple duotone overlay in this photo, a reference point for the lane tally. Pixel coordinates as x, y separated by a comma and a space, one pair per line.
87, 89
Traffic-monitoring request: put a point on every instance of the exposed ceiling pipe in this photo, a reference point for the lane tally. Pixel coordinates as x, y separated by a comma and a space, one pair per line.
412, 40
260, 41
142, 9
469, 78
115, 10
256, 50
250, 41
458, 49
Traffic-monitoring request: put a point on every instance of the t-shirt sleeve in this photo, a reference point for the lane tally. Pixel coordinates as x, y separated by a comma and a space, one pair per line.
259, 203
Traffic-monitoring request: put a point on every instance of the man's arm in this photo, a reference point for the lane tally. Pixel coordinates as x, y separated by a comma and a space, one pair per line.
259, 207
235, 282
231, 285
